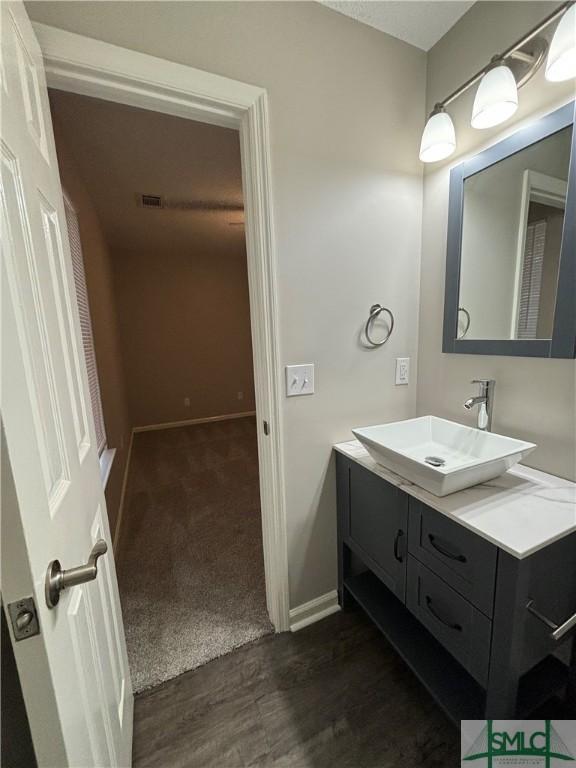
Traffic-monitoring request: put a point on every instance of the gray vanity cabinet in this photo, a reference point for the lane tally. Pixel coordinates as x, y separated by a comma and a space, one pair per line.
455, 606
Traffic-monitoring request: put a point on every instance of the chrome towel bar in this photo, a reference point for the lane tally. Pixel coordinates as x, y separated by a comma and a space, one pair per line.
467, 321
375, 311
559, 631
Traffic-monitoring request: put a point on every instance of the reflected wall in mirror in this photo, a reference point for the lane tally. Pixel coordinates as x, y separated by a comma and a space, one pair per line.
513, 216
511, 245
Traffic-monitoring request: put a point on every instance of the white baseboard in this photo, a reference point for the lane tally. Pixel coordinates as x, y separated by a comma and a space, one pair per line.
116, 538
308, 613
188, 422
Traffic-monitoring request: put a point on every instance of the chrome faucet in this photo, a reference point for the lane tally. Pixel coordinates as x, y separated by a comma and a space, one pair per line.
485, 399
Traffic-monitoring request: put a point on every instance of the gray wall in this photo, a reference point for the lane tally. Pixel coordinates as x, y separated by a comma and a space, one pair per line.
346, 109
535, 398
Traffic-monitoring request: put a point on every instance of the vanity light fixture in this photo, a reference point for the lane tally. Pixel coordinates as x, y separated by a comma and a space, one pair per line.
561, 64
439, 137
497, 96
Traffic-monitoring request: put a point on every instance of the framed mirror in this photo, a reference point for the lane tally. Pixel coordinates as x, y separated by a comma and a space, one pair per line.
511, 250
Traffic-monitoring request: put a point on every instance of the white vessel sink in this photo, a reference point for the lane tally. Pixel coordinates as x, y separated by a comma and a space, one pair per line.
465, 456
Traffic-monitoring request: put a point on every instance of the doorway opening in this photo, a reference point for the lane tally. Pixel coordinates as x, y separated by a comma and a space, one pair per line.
155, 214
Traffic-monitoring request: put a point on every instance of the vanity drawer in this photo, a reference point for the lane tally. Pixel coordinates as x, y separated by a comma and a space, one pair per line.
462, 558
454, 622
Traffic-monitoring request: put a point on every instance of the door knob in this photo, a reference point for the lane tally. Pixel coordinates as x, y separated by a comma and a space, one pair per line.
58, 579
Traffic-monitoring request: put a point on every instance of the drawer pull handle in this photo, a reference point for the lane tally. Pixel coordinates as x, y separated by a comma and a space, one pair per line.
397, 554
559, 631
430, 606
445, 552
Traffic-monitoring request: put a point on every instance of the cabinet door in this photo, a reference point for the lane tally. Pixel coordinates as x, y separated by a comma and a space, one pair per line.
378, 527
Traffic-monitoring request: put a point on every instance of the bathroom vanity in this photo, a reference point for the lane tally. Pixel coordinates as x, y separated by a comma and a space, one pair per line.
475, 590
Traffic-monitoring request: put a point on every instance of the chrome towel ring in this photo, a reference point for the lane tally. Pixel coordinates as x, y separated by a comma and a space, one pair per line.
375, 311
467, 321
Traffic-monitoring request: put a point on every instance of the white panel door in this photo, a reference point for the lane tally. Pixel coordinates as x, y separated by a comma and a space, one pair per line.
74, 675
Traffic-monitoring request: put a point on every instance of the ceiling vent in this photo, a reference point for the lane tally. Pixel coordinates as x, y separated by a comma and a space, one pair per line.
152, 201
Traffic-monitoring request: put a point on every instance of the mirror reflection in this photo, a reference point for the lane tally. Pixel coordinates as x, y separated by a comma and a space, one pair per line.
513, 214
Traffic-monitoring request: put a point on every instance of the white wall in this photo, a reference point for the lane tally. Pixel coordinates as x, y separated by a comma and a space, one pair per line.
347, 107
535, 398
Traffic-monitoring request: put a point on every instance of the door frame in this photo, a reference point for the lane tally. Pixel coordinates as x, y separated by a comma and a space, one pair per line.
90, 67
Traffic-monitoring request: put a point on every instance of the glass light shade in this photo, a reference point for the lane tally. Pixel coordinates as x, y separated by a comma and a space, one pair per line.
561, 62
496, 98
438, 139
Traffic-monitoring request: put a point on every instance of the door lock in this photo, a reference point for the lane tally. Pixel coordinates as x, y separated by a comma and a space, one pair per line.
24, 618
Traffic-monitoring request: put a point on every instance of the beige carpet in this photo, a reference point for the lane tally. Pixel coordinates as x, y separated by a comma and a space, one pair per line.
190, 562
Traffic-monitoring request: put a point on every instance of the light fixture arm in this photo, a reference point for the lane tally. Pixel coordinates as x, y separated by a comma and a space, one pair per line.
508, 53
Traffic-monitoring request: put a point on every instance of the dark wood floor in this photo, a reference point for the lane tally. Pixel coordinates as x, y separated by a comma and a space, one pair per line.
334, 695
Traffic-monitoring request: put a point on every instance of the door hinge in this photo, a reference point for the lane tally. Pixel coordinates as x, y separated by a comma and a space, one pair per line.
24, 618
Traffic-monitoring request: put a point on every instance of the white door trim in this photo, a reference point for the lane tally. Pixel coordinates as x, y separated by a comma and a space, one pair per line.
92, 68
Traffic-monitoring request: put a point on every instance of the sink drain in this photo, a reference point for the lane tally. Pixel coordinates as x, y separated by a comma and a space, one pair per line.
435, 461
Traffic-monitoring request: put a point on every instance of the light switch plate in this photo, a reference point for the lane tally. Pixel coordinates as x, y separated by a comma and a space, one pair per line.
402, 370
299, 380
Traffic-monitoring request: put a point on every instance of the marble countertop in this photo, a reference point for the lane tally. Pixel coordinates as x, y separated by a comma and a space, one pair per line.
521, 511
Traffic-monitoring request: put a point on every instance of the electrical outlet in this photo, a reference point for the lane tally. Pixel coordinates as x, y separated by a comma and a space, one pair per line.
240, 395
299, 380
402, 370
186, 402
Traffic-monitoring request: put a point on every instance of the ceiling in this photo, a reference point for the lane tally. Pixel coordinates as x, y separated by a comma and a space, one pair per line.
122, 152
419, 23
